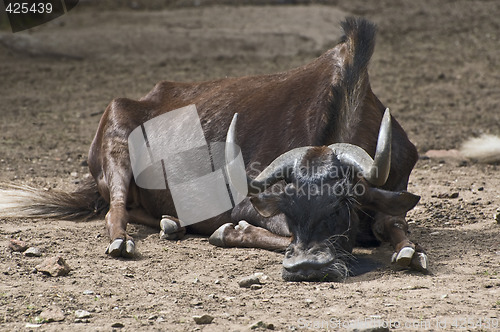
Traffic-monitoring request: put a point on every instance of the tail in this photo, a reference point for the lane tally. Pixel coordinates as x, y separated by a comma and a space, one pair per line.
22, 201
484, 149
359, 38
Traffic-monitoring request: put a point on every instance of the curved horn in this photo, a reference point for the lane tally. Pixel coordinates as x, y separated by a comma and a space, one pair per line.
375, 171
278, 170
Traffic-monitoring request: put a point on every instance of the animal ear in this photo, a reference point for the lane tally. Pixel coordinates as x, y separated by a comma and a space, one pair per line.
266, 204
394, 203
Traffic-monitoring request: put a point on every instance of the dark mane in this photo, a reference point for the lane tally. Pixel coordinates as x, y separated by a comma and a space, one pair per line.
348, 94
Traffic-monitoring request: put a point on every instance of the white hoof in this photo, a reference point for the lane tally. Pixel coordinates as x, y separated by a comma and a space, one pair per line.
129, 249
419, 262
404, 256
120, 248
115, 248
217, 238
242, 225
168, 226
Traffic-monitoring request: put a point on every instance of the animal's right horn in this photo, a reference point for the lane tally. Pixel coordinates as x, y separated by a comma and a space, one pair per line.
375, 171
278, 170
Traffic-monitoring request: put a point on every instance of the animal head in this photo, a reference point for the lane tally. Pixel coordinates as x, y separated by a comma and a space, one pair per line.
322, 191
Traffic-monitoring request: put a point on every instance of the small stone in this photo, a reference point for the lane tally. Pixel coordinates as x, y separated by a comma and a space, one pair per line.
88, 292
54, 266
255, 286
373, 329
53, 314
262, 277
33, 252
497, 216
261, 325
117, 325
205, 319
256, 278
32, 326
81, 314
217, 282
17, 245
195, 303
248, 281
153, 317
448, 195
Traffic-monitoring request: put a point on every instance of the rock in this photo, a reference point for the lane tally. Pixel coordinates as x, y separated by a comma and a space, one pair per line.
256, 278
373, 329
205, 319
33, 252
195, 303
255, 286
448, 195
52, 314
117, 325
32, 326
262, 325
497, 216
81, 314
249, 281
54, 266
17, 245
88, 292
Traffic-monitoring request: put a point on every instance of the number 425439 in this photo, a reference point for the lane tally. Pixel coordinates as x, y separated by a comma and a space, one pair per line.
26, 8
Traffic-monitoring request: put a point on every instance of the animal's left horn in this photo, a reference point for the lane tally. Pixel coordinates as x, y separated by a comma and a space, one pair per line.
278, 170
375, 171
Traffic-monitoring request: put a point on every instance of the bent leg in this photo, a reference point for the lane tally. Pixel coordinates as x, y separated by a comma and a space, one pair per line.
245, 235
395, 231
276, 224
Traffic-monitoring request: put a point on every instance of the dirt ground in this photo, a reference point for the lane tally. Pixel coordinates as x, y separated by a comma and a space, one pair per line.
436, 65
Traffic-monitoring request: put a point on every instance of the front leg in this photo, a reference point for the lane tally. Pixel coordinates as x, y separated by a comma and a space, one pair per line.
276, 224
245, 235
395, 231
259, 232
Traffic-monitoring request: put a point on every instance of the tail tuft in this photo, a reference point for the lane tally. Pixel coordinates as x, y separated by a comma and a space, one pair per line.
23, 201
484, 149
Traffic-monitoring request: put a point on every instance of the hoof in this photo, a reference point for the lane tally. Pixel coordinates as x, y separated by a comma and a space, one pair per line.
242, 225
170, 230
419, 262
168, 226
217, 238
120, 248
403, 257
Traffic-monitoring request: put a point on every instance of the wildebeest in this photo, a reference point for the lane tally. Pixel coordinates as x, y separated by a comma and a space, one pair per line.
319, 105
